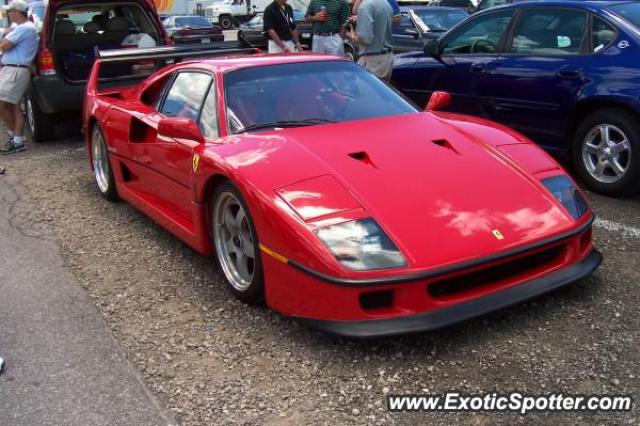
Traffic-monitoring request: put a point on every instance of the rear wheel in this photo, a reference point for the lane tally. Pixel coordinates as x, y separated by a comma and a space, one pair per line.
236, 244
606, 152
40, 124
102, 171
226, 22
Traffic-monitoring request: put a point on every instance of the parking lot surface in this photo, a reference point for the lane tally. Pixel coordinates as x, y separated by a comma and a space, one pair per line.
212, 360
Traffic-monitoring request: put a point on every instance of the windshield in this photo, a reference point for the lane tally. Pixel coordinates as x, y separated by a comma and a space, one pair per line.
440, 20
193, 21
307, 93
255, 20
628, 11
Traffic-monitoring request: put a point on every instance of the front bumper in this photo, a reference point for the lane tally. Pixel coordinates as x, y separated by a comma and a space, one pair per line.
446, 316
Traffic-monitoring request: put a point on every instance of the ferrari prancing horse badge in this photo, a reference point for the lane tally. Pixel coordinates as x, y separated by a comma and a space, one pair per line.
196, 162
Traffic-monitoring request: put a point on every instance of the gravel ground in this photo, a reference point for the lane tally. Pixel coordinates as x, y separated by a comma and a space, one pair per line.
212, 360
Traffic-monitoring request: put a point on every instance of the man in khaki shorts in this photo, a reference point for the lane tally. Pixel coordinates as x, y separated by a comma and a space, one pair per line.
19, 47
373, 35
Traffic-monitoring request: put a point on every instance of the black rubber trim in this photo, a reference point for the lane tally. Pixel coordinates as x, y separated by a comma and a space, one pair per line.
440, 271
443, 317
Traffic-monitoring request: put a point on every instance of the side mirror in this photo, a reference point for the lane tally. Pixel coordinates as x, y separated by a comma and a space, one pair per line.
432, 48
438, 101
412, 33
180, 128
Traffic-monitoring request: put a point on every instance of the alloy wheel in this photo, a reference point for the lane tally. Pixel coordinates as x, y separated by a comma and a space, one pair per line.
31, 121
606, 153
234, 241
100, 160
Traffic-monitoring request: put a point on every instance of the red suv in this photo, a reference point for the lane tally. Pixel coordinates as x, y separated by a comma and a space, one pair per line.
70, 30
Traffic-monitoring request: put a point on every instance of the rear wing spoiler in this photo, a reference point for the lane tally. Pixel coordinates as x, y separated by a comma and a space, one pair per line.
168, 54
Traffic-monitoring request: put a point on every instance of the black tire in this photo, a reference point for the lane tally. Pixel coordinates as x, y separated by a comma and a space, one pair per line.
241, 41
226, 22
101, 165
248, 288
350, 53
40, 125
622, 179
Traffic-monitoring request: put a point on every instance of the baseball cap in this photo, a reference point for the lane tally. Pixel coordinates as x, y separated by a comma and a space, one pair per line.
17, 5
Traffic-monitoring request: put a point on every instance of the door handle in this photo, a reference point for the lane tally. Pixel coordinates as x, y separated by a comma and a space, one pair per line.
478, 67
569, 74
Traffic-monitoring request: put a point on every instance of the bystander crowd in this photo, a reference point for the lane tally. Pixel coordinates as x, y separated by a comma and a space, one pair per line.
280, 27
328, 18
373, 36
19, 47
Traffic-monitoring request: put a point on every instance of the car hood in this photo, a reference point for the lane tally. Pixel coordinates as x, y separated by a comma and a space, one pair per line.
437, 191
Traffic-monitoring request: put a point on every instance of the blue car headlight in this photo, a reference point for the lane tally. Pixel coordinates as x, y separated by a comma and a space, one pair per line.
566, 192
361, 245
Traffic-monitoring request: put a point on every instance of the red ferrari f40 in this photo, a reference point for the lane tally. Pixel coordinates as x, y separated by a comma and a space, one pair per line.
326, 194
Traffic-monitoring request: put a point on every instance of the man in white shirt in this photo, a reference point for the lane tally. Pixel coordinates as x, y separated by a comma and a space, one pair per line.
19, 47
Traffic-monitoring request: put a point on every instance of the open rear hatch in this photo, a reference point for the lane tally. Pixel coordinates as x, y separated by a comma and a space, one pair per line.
78, 29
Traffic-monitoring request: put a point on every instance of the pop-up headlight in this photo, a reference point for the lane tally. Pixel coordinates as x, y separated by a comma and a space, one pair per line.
565, 191
361, 245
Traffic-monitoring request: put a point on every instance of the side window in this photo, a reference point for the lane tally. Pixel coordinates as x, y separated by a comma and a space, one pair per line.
186, 95
550, 32
486, 4
482, 35
601, 34
209, 117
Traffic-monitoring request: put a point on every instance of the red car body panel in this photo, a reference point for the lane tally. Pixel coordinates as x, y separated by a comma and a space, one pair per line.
438, 195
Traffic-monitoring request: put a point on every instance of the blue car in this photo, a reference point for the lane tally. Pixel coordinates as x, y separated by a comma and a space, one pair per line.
564, 73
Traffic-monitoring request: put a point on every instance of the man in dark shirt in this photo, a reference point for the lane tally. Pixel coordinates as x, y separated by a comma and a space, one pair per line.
281, 27
329, 18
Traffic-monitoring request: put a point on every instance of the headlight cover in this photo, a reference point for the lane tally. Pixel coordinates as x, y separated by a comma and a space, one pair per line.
565, 191
361, 245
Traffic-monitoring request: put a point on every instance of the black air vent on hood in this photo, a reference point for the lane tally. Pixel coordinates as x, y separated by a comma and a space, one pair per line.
445, 144
363, 157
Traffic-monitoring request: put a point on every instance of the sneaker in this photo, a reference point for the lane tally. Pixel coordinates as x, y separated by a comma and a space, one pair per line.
11, 148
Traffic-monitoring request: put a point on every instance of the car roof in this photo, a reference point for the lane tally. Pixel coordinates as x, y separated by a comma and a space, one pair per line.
404, 6
593, 4
261, 59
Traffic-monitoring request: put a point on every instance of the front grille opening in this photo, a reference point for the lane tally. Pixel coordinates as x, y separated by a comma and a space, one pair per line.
376, 300
494, 274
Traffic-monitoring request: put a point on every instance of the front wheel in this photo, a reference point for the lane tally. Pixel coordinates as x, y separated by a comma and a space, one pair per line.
40, 124
236, 244
226, 22
606, 152
102, 172
242, 43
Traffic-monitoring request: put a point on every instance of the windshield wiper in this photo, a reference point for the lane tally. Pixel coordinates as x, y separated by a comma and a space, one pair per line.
286, 123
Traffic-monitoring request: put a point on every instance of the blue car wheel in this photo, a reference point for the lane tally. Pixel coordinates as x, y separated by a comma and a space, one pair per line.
606, 152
